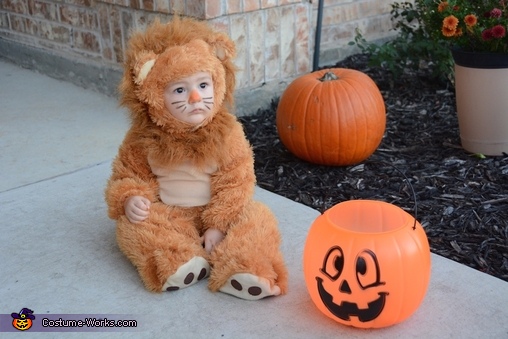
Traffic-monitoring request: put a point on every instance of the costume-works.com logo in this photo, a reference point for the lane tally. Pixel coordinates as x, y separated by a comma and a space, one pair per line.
23, 320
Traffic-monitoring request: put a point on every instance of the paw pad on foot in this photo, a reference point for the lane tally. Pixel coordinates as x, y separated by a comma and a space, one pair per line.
186, 274
253, 290
250, 287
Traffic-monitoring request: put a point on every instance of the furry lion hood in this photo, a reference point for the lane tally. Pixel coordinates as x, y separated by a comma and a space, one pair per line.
165, 52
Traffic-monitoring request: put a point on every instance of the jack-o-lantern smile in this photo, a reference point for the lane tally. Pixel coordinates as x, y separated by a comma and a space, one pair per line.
367, 275
347, 309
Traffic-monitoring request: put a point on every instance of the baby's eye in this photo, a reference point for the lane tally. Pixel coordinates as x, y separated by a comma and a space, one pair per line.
179, 90
203, 85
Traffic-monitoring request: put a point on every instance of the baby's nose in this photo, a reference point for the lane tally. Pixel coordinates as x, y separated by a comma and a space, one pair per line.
194, 96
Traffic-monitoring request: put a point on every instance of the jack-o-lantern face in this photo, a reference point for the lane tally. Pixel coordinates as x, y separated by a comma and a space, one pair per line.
367, 275
366, 263
22, 324
23, 320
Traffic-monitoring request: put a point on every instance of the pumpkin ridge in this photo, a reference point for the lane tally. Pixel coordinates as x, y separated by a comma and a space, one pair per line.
398, 304
370, 105
370, 101
319, 125
287, 118
421, 248
365, 122
333, 113
347, 87
304, 146
334, 133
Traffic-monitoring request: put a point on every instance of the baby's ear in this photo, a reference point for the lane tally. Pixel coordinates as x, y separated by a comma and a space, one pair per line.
223, 46
142, 66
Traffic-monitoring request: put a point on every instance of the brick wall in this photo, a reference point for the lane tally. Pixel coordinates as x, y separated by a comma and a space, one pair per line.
274, 38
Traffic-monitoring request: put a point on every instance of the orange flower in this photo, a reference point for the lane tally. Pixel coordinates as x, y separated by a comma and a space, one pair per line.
478, 25
450, 22
448, 32
442, 6
470, 20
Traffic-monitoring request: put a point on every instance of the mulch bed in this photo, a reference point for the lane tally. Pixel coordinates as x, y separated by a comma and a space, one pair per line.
462, 199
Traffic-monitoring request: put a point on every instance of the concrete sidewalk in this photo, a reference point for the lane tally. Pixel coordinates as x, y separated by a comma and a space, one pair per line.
58, 254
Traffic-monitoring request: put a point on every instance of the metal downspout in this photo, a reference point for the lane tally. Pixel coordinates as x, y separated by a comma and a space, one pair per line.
317, 40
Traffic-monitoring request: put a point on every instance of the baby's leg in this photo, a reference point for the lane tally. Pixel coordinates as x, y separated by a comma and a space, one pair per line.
165, 248
248, 262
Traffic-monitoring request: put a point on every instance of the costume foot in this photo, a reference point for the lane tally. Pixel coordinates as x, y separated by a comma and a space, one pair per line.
250, 287
188, 274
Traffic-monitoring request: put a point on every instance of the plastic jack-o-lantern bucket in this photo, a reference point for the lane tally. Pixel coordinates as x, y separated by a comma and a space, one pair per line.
367, 263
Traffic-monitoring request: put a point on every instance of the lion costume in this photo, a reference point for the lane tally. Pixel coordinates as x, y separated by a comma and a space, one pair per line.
196, 177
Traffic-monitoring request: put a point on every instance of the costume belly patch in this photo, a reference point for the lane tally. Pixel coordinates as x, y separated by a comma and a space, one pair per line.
184, 185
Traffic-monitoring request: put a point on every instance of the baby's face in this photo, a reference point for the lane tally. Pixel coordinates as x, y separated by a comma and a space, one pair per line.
190, 99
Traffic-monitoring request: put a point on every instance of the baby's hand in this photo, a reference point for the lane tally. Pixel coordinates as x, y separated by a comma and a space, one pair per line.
211, 238
136, 208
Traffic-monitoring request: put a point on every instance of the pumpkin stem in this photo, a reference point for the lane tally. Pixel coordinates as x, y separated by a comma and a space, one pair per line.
328, 77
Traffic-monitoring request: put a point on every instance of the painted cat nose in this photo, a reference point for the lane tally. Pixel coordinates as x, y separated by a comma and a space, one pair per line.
194, 97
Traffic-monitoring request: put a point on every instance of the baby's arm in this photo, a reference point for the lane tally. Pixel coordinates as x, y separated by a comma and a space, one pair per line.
232, 185
131, 176
137, 208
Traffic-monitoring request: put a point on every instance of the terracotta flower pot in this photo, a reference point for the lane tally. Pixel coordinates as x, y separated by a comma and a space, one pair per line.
481, 82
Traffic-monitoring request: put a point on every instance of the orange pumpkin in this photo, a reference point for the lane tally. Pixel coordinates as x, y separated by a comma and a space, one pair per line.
332, 117
366, 263
22, 324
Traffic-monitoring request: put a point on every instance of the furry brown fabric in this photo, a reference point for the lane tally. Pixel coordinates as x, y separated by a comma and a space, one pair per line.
170, 236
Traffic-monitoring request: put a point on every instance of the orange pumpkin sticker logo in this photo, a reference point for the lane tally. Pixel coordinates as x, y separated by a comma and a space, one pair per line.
23, 320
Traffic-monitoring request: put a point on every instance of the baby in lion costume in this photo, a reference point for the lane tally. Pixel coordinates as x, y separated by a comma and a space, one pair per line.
182, 184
